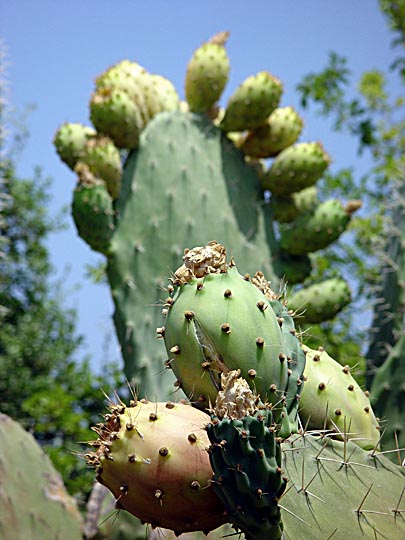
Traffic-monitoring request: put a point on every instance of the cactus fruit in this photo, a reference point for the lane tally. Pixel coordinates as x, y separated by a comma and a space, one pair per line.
126, 76
252, 102
152, 456
104, 161
318, 229
207, 74
282, 129
321, 301
295, 168
70, 140
240, 333
246, 460
332, 399
114, 114
92, 210
286, 209
166, 96
33, 500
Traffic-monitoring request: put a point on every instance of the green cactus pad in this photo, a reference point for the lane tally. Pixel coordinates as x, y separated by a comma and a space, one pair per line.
316, 230
221, 323
332, 399
207, 75
252, 102
339, 491
33, 500
114, 114
93, 214
282, 129
295, 168
70, 141
152, 456
248, 478
321, 301
103, 159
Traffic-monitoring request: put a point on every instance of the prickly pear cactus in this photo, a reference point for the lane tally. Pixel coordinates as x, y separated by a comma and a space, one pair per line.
152, 456
185, 181
33, 500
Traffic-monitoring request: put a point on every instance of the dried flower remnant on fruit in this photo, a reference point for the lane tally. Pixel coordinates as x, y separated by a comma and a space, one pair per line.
263, 285
201, 261
235, 400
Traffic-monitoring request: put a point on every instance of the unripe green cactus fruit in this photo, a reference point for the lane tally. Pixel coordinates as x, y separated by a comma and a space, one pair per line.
166, 96
92, 210
282, 129
126, 76
207, 74
321, 301
152, 456
222, 322
288, 207
104, 161
316, 230
332, 399
295, 168
252, 102
70, 141
114, 114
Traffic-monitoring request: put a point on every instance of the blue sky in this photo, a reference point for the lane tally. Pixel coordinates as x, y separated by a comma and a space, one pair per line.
56, 49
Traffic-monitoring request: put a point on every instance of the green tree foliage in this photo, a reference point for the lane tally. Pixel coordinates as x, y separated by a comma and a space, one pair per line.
41, 384
375, 119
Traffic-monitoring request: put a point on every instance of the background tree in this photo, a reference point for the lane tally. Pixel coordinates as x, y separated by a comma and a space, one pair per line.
375, 255
42, 385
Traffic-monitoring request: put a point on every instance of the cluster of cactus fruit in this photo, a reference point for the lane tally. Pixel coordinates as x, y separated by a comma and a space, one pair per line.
230, 453
263, 418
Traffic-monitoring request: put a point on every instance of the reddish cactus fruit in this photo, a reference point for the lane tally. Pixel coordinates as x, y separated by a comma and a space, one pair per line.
153, 457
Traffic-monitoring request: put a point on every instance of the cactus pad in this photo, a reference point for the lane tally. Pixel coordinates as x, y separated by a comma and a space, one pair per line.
246, 460
33, 500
